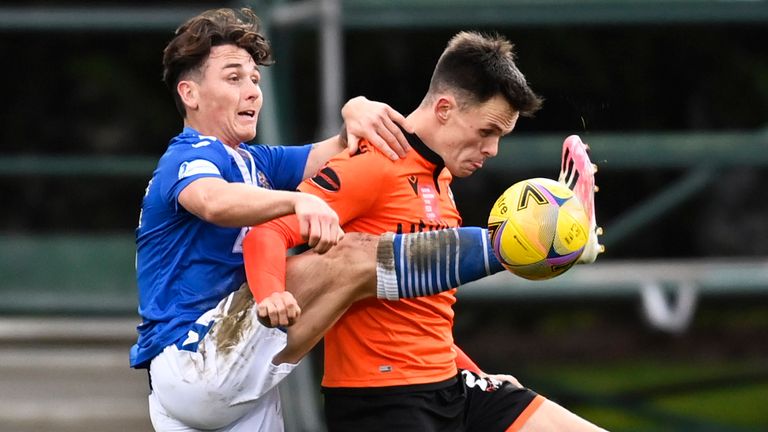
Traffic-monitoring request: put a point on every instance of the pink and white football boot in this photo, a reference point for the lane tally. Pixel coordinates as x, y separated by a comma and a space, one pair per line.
578, 173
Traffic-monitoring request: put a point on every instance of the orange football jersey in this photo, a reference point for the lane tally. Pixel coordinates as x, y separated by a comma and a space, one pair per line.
390, 343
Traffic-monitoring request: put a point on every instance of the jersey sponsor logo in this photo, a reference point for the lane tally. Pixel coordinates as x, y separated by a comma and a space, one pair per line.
197, 166
327, 179
414, 182
431, 202
422, 226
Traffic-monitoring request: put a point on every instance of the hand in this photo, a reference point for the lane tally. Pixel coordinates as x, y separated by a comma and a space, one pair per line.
279, 309
377, 123
503, 378
318, 223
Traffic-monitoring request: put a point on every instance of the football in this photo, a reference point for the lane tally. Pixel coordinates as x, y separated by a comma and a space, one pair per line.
538, 228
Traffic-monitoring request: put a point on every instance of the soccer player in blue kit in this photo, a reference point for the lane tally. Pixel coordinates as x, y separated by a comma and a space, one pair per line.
210, 362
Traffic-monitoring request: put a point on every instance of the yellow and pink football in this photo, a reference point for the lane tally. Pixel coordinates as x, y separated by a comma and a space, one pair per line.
538, 228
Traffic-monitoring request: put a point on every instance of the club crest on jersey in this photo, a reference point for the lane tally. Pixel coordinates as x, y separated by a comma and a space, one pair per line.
327, 179
262, 180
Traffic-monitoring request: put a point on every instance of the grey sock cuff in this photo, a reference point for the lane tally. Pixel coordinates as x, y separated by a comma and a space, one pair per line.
386, 276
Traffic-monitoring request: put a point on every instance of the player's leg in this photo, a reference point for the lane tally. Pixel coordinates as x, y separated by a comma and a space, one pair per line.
496, 406
578, 173
220, 372
161, 420
261, 416
500, 406
388, 266
553, 417
325, 286
431, 262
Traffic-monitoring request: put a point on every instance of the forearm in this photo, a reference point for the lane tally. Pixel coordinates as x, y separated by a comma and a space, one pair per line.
235, 204
253, 207
264, 255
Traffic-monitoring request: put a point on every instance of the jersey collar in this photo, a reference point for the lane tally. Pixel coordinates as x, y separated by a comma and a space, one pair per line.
427, 153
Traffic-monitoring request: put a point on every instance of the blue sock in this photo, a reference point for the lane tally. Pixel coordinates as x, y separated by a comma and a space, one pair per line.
427, 263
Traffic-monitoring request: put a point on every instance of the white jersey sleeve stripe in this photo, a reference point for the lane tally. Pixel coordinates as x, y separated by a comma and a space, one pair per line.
197, 167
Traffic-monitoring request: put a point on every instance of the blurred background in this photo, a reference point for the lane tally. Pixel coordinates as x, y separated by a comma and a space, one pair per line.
668, 331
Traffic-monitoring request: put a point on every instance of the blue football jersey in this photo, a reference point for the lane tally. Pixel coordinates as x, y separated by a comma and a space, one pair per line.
184, 265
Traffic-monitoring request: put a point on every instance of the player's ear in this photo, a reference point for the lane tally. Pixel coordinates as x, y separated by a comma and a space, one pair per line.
189, 93
444, 107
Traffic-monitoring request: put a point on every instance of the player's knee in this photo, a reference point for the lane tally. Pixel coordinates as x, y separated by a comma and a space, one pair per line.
358, 247
355, 256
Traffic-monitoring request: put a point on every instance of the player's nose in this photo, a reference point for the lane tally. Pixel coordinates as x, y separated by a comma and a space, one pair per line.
490, 148
252, 90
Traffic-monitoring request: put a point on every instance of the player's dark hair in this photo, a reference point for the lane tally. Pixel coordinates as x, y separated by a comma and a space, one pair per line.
189, 49
477, 67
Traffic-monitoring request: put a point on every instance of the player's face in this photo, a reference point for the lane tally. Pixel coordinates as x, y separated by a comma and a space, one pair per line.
471, 135
229, 97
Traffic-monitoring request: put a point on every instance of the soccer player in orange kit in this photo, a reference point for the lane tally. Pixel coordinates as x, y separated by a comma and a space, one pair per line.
392, 365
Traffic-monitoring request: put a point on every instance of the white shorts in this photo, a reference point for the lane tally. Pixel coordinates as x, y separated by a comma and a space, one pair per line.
229, 382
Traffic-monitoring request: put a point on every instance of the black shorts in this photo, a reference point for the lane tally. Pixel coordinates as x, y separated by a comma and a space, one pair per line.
468, 403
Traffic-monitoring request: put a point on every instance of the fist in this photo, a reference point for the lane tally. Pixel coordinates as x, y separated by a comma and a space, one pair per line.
280, 309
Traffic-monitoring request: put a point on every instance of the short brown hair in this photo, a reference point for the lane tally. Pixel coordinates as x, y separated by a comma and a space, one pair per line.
193, 40
476, 67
